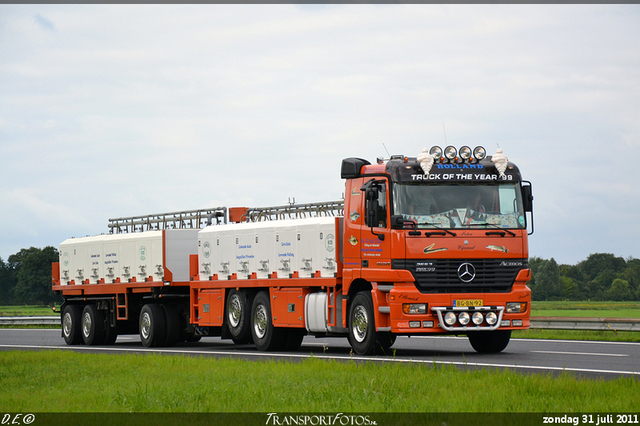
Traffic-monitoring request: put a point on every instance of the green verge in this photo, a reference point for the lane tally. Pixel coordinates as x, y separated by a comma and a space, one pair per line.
66, 381
28, 310
586, 309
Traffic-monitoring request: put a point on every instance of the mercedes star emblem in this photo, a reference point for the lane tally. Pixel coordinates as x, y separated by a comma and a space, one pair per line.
466, 272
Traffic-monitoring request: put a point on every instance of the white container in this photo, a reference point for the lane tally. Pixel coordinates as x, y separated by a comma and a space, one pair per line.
285, 247
305, 246
143, 256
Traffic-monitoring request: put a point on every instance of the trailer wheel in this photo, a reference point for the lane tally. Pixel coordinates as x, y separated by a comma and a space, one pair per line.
266, 337
172, 324
71, 318
93, 331
111, 334
489, 341
238, 315
152, 325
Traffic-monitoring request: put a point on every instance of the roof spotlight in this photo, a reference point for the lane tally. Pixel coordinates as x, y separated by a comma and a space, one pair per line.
479, 153
465, 153
450, 152
436, 152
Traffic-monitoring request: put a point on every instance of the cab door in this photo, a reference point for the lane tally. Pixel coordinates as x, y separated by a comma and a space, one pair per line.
375, 252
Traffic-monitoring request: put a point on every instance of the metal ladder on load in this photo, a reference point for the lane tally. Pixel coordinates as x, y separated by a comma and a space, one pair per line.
218, 215
176, 220
294, 211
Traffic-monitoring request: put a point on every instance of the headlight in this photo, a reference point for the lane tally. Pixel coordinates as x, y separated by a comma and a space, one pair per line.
479, 153
516, 307
450, 318
450, 152
436, 151
414, 308
492, 318
464, 318
477, 318
465, 153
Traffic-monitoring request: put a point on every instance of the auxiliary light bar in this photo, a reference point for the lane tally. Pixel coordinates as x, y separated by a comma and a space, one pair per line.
452, 155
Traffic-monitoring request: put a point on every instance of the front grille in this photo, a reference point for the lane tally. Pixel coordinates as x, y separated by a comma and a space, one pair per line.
441, 275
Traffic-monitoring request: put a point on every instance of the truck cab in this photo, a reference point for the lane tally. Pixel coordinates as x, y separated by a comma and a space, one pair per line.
436, 246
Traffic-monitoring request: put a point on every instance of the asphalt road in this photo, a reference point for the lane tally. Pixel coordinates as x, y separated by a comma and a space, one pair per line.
586, 359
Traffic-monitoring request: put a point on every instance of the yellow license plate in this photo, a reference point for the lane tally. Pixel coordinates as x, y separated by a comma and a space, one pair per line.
464, 303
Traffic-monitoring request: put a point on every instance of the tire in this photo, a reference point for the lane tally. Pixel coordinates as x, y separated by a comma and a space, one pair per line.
152, 326
266, 337
384, 341
293, 339
71, 330
489, 341
238, 315
92, 325
110, 333
361, 324
362, 334
172, 325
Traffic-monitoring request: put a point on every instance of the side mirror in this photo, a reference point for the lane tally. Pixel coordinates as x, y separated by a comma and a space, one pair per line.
527, 198
372, 206
527, 201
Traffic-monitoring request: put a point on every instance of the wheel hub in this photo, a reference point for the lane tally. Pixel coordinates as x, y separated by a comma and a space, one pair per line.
86, 324
260, 321
360, 323
235, 310
66, 324
145, 325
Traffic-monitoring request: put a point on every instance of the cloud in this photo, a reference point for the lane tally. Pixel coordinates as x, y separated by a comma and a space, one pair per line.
43, 22
137, 109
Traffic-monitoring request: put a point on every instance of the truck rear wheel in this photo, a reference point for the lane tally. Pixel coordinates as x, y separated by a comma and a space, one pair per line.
489, 341
266, 337
71, 330
172, 325
93, 331
152, 325
238, 315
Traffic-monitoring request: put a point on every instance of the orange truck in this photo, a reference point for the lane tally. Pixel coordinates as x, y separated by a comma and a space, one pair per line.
428, 245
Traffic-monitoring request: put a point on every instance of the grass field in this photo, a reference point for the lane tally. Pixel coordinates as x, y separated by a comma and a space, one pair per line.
65, 381
25, 310
586, 309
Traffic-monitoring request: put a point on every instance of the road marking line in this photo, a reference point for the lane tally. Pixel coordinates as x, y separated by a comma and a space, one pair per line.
576, 353
285, 355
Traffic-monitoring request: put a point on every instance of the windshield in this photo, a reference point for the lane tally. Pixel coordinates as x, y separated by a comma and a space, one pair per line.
460, 206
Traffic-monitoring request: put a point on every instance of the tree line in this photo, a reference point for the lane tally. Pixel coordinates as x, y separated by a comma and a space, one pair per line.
26, 278
602, 276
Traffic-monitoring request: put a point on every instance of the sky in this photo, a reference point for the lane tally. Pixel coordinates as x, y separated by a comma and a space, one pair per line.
121, 110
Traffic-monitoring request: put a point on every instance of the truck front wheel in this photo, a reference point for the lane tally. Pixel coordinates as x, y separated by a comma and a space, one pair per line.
71, 330
489, 341
363, 337
152, 325
362, 324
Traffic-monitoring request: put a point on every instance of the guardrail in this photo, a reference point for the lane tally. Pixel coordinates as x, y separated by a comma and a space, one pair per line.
43, 320
548, 323
595, 324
